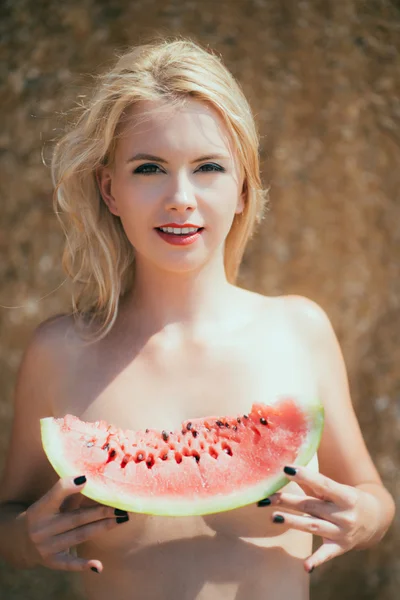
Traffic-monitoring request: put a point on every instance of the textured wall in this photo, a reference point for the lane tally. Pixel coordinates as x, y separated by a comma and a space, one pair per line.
323, 78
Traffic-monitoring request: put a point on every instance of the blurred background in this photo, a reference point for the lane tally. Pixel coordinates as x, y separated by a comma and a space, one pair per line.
323, 80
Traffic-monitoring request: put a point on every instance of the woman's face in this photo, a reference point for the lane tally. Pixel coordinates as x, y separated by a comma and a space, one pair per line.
173, 186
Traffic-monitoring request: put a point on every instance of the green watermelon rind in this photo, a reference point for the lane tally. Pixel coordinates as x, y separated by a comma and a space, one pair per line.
178, 506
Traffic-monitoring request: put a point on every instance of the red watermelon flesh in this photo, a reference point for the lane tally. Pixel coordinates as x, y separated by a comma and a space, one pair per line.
207, 465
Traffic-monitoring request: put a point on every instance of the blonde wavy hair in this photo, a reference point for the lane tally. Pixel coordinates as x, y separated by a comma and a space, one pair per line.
98, 257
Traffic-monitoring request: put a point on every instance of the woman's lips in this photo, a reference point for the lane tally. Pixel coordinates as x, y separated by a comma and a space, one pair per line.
180, 239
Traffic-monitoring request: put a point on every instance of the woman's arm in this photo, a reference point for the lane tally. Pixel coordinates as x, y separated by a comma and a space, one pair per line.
26, 468
346, 503
35, 528
343, 455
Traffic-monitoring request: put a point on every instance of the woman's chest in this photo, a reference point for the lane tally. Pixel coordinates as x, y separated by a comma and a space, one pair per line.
159, 388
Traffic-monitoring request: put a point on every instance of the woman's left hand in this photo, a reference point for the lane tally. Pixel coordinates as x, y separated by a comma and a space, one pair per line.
344, 516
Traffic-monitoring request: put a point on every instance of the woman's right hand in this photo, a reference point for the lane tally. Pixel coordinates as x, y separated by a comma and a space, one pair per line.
52, 530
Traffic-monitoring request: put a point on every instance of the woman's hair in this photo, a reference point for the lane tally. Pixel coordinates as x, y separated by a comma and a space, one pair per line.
98, 257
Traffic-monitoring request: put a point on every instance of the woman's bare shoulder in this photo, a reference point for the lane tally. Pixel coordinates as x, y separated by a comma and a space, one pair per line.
306, 315
59, 334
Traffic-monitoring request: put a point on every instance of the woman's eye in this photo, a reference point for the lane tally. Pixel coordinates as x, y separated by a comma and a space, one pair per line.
143, 169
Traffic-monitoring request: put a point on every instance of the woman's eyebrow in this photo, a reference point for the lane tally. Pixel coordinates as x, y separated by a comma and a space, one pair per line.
142, 156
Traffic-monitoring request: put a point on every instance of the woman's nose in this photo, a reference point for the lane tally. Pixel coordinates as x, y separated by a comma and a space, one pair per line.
182, 197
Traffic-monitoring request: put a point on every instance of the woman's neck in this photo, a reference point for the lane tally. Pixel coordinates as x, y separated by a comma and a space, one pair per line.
180, 302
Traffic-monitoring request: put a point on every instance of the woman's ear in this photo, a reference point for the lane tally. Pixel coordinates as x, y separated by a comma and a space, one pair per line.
104, 181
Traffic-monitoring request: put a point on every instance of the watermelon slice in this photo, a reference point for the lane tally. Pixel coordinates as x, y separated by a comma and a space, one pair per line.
207, 465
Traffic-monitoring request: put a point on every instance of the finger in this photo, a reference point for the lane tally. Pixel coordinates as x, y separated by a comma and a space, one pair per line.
72, 502
308, 524
74, 537
323, 487
65, 562
54, 498
326, 552
305, 504
74, 519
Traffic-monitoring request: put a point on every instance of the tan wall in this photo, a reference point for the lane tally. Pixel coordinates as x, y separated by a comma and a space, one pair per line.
323, 79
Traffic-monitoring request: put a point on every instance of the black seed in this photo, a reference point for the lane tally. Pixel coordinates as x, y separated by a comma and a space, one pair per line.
228, 451
165, 436
245, 416
106, 447
112, 453
164, 456
194, 433
183, 431
263, 421
227, 425
238, 420
197, 457
147, 431
219, 423
234, 428
189, 426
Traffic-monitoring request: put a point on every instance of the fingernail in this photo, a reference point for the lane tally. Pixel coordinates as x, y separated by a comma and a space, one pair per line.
278, 519
264, 502
312, 569
290, 471
95, 569
80, 480
122, 519
120, 513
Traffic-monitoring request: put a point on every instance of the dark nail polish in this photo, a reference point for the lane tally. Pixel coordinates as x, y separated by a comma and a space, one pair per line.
95, 569
264, 502
80, 480
278, 519
312, 569
289, 471
122, 519
120, 513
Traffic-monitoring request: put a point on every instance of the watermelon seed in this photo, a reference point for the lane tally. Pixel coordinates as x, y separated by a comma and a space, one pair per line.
213, 452
245, 416
219, 423
106, 447
147, 431
194, 433
263, 421
227, 425
125, 461
208, 429
165, 436
111, 455
238, 420
189, 426
196, 456
178, 457
226, 448
234, 428
183, 432
150, 461
164, 456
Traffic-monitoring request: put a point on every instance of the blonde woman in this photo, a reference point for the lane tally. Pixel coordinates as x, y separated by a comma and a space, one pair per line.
158, 188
